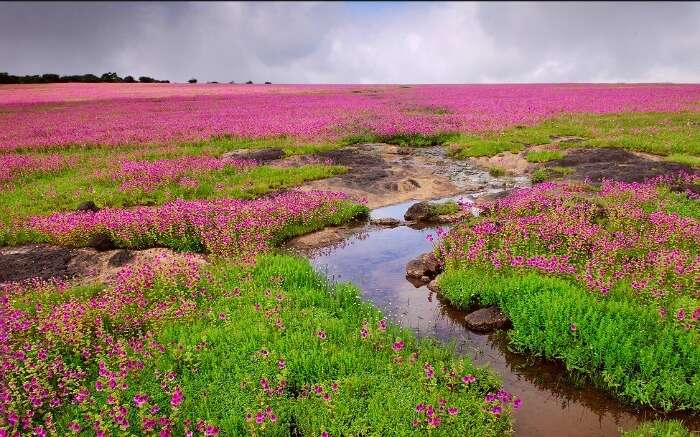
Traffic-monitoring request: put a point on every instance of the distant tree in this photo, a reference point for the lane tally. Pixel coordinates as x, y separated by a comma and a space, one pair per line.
193, 80
50, 78
6, 78
110, 77
268, 83
213, 81
232, 82
250, 82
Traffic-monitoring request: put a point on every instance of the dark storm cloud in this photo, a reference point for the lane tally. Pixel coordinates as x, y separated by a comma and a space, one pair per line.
334, 42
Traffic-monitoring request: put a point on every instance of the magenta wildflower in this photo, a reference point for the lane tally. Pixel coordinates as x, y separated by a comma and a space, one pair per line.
321, 334
468, 379
452, 411
176, 398
680, 314
398, 345
496, 409
517, 403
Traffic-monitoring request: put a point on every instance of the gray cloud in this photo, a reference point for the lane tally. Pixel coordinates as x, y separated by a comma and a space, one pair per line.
336, 42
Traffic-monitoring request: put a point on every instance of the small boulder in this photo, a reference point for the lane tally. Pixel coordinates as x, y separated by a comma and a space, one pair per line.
433, 286
424, 267
386, 222
88, 206
260, 155
487, 319
419, 212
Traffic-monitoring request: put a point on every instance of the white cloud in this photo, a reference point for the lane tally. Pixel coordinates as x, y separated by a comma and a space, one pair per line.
334, 42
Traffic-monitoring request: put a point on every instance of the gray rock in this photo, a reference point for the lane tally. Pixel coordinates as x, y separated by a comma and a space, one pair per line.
388, 222
421, 211
426, 265
88, 206
487, 319
260, 155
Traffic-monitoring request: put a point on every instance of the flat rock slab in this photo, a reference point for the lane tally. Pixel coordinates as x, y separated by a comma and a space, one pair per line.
260, 155
386, 222
487, 319
424, 267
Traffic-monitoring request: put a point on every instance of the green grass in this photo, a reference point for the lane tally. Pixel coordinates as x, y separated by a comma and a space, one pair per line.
216, 357
619, 343
682, 158
659, 428
659, 133
543, 155
471, 146
548, 173
445, 208
404, 140
496, 171
376, 396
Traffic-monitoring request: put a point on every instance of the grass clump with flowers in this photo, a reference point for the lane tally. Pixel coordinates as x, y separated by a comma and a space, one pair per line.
176, 347
229, 227
603, 278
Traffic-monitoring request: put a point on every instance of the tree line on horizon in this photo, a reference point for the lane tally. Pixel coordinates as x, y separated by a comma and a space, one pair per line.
110, 77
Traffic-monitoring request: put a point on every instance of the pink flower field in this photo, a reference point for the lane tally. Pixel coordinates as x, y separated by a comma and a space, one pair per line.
54, 115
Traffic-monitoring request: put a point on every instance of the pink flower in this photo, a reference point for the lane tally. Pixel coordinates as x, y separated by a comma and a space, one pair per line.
496, 410
176, 398
468, 379
517, 403
398, 345
321, 334
573, 327
680, 314
452, 411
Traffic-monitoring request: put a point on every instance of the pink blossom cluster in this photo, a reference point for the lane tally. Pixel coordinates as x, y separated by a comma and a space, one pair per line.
13, 166
229, 227
150, 175
54, 115
59, 350
620, 233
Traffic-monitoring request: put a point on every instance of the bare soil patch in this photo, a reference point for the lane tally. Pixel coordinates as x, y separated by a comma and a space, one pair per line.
46, 261
596, 164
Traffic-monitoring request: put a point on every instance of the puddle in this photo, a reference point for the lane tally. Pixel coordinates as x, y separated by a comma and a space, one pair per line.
375, 260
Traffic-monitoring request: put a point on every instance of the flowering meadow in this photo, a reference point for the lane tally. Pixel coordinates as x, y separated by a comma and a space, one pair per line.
16, 166
58, 115
174, 347
605, 278
229, 227
148, 175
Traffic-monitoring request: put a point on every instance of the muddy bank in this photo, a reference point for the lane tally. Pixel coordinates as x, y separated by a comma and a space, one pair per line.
46, 261
384, 174
597, 164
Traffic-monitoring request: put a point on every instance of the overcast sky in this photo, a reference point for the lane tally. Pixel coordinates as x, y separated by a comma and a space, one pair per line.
357, 42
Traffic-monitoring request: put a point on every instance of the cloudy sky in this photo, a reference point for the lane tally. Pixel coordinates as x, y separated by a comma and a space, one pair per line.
357, 42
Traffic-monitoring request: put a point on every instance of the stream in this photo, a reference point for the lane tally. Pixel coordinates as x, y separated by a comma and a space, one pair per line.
375, 260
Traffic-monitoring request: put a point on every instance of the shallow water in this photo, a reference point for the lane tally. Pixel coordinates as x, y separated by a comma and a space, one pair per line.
375, 260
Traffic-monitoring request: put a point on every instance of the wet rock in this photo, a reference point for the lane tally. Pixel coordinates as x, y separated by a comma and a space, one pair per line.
386, 222
88, 206
433, 286
260, 155
487, 319
420, 212
424, 267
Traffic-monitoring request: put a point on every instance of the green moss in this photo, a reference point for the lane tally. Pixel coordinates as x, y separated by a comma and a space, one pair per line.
543, 155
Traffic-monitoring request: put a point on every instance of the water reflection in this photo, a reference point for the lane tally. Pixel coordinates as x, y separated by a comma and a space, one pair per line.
553, 404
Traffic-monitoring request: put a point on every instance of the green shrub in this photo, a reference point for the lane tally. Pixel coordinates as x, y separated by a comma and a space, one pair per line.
620, 344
